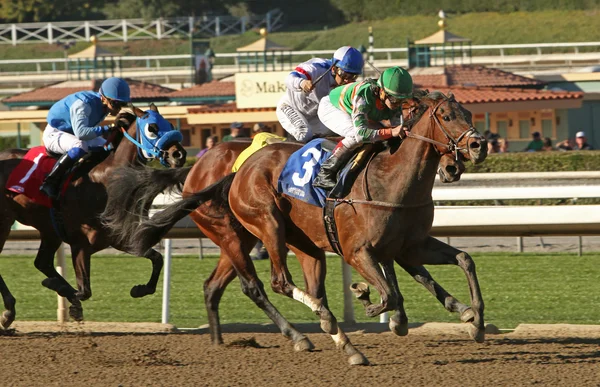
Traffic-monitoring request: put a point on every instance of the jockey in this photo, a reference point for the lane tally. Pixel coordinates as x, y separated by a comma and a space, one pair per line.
73, 126
351, 110
308, 83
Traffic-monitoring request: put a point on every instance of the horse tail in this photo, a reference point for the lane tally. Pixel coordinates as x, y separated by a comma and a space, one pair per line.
130, 192
150, 231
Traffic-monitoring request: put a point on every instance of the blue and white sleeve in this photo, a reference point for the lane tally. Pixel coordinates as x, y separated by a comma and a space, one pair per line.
80, 113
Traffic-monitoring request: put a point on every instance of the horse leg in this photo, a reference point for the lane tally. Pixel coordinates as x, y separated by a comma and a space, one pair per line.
369, 269
81, 264
44, 262
314, 268
7, 317
398, 321
214, 287
237, 255
435, 252
9, 313
156, 258
422, 276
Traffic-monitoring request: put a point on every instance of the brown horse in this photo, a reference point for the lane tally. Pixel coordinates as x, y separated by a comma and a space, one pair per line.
83, 200
397, 223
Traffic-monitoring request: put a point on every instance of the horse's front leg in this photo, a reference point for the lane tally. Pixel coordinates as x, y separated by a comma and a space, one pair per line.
8, 315
80, 256
435, 252
366, 265
422, 276
156, 258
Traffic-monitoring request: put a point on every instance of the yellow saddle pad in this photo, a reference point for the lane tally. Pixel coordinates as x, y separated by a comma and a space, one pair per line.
259, 141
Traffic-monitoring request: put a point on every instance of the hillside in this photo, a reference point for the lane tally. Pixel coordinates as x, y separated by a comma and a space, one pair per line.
482, 28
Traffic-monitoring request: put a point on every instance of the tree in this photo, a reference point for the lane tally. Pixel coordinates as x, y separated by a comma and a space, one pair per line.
42, 10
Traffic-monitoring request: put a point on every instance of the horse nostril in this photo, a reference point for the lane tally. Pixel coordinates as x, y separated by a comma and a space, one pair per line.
177, 155
451, 170
474, 145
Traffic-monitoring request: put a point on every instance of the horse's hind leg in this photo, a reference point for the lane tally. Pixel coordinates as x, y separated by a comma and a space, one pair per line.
237, 255
44, 262
214, 287
314, 269
435, 252
422, 276
156, 258
399, 321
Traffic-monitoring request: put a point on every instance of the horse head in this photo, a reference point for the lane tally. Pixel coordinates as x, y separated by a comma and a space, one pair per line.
156, 138
453, 130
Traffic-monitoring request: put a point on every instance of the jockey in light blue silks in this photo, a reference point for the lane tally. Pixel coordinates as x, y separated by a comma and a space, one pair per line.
73, 126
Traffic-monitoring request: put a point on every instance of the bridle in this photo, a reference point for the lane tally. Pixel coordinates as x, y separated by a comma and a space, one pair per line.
452, 145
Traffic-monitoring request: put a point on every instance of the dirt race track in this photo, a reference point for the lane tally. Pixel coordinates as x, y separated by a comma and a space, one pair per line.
96, 354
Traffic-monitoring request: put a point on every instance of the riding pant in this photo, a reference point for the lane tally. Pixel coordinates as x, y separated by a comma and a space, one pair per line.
339, 122
61, 142
303, 128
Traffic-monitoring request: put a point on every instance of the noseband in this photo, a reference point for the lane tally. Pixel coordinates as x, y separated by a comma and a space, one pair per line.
452, 145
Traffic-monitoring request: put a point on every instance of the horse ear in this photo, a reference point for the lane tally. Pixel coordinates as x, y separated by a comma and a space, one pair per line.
153, 108
138, 112
451, 96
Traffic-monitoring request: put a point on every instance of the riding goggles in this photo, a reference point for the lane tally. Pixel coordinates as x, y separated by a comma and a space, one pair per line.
347, 77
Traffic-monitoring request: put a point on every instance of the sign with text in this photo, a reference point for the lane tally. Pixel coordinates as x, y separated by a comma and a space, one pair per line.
260, 89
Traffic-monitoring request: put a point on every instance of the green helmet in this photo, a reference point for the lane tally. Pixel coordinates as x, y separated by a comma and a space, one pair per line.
396, 82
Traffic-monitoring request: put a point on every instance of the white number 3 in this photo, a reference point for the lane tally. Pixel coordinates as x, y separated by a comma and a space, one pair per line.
307, 167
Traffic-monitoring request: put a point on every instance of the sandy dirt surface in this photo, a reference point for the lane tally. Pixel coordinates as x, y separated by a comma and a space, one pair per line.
98, 354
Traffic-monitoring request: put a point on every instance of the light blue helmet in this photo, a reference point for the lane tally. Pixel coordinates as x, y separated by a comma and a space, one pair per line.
349, 59
115, 88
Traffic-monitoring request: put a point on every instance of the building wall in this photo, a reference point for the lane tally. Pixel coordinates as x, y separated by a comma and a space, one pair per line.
586, 118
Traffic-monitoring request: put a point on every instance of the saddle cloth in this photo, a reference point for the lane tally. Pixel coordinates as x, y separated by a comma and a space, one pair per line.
29, 175
300, 170
259, 141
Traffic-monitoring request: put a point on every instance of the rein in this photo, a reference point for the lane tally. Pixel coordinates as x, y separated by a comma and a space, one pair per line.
378, 203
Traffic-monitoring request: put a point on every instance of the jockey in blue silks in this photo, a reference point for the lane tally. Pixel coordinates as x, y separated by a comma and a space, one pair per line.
73, 126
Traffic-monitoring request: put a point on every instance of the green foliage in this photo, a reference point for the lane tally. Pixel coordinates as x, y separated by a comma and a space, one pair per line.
539, 162
11, 142
39, 10
516, 288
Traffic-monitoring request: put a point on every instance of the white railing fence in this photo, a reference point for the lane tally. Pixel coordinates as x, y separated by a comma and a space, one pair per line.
135, 29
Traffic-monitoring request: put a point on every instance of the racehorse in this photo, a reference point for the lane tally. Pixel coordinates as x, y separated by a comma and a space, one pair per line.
217, 223
149, 135
371, 232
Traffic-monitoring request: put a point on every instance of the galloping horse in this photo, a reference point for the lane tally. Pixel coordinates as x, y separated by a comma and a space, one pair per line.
79, 206
218, 223
392, 226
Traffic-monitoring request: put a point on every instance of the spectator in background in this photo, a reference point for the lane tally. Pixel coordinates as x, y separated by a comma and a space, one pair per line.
211, 141
536, 144
260, 128
503, 145
547, 144
235, 127
581, 142
566, 145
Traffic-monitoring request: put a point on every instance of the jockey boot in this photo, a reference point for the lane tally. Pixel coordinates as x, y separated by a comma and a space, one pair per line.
327, 176
50, 187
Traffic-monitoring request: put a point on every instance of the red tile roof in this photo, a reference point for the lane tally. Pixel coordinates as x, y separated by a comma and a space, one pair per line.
226, 107
468, 95
210, 89
140, 91
469, 75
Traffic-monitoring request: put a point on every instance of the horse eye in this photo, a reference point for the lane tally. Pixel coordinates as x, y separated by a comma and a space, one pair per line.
151, 131
446, 118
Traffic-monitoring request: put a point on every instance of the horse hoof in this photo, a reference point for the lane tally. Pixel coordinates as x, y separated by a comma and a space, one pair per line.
477, 334
139, 291
6, 319
358, 359
360, 289
467, 316
400, 329
304, 345
76, 313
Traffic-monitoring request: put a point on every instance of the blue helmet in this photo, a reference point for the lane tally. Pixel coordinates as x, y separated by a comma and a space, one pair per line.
349, 59
115, 88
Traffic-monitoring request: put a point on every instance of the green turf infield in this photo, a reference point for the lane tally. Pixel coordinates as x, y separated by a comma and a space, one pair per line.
517, 288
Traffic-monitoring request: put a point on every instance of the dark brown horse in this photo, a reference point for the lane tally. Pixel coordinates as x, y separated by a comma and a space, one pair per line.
394, 226
83, 200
